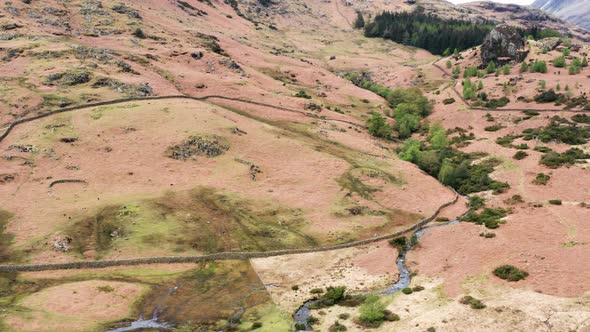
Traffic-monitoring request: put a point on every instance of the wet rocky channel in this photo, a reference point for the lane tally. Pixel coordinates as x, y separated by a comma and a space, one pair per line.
304, 312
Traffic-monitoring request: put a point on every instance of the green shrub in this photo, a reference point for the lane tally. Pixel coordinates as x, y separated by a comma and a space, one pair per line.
139, 33
344, 316
302, 94
489, 217
332, 296
541, 179
337, 327
549, 96
559, 62
371, 312
407, 291
555, 201
581, 118
316, 291
520, 155
510, 273
400, 243
472, 302
352, 300
256, 325
495, 103
476, 203
295, 287
559, 131
538, 67
390, 316
312, 320
378, 126
506, 141
448, 101
556, 160
495, 127
417, 288
487, 235
543, 149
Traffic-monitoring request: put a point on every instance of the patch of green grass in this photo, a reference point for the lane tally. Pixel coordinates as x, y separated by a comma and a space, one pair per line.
6, 239
201, 220
99, 112
56, 101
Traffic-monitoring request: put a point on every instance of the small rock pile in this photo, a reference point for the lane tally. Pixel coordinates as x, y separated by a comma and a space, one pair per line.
198, 146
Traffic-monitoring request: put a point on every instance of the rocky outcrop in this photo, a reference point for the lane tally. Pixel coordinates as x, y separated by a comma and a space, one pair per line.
503, 45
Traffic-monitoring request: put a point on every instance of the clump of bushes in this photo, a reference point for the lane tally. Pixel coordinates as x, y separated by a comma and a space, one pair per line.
489, 217
495, 103
560, 130
487, 235
495, 127
407, 291
452, 167
377, 126
555, 201
332, 296
569, 157
581, 118
510, 273
550, 96
472, 302
400, 243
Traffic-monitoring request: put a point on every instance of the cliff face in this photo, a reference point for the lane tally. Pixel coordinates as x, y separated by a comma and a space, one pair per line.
574, 11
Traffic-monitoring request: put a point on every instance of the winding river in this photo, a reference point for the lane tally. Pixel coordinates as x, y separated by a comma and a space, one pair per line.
403, 281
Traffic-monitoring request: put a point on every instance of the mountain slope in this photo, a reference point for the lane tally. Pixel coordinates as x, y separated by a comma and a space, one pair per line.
575, 11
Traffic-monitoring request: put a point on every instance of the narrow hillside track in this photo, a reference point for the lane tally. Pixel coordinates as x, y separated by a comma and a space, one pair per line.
15, 123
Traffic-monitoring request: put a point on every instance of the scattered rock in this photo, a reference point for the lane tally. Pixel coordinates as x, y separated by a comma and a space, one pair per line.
12, 54
122, 9
10, 26
132, 90
68, 139
7, 178
313, 107
28, 148
197, 55
62, 243
210, 146
69, 78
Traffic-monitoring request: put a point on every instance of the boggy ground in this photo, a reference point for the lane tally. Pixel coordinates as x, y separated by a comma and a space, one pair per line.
202, 297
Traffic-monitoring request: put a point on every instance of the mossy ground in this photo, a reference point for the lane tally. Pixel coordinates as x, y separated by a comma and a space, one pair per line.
202, 220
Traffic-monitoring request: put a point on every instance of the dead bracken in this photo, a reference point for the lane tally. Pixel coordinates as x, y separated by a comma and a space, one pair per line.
210, 146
